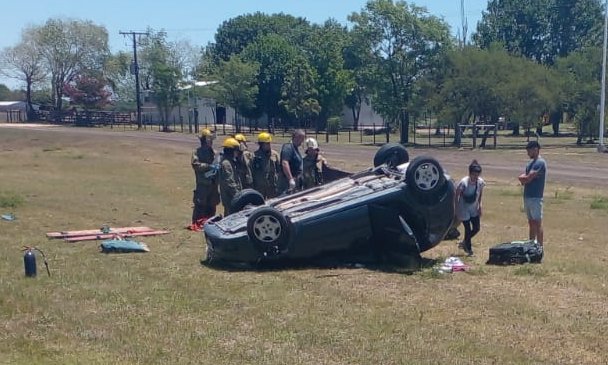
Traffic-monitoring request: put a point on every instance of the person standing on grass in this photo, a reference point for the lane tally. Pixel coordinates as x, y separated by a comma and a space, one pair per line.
245, 162
230, 173
469, 192
533, 180
312, 173
206, 196
265, 167
291, 163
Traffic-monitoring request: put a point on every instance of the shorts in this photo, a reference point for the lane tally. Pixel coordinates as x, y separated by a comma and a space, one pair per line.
534, 208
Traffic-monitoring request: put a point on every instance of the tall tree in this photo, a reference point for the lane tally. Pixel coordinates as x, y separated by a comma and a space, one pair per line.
275, 55
542, 30
69, 48
237, 86
161, 74
234, 35
24, 62
582, 71
406, 43
298, 94
333, 81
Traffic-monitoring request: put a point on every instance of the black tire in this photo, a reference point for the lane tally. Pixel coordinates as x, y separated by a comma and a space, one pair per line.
268, 229
424, 176
246, 197
391, 154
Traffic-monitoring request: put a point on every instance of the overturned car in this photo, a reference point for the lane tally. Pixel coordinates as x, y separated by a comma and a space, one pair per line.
398, 207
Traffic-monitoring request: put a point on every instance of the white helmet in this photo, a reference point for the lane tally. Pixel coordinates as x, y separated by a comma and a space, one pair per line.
311, 143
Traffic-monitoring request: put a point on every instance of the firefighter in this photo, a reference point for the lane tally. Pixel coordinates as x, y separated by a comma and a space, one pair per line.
265, 167
313, 164
230, 173
245, 161
205, 165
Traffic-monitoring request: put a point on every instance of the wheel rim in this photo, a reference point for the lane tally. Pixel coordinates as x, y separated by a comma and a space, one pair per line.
267, 228
426, 176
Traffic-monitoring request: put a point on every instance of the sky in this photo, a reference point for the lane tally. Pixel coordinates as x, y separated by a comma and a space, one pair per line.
195, 20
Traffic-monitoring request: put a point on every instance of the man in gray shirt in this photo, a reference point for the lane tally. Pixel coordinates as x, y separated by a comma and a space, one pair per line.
533, 181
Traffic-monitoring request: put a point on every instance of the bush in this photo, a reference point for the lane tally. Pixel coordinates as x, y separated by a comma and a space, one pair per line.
333, 125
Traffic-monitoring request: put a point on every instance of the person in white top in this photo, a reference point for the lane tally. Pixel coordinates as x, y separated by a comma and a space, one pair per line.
469, 192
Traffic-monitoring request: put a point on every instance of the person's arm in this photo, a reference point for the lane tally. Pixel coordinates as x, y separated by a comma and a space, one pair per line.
228, 180
534, 171
286, 155
197, 165
479, 208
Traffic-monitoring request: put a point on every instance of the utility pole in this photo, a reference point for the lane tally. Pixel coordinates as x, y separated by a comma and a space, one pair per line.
601, 147
135, 70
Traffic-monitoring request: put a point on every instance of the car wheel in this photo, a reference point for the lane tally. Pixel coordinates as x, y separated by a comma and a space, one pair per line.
392, 154
268, 230
246, 197
425, 176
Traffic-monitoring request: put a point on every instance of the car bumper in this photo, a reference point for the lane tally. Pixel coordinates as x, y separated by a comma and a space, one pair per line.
222, 246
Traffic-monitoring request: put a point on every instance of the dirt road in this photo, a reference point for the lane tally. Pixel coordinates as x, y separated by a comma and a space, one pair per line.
570, 166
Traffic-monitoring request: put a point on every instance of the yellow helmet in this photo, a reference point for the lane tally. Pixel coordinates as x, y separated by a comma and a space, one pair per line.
206, 133
240, 137
264, 137
231, 143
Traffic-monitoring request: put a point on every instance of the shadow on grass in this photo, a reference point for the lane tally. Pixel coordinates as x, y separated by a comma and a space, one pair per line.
404, 264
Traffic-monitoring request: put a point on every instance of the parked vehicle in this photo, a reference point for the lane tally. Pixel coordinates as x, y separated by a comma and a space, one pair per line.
396, 208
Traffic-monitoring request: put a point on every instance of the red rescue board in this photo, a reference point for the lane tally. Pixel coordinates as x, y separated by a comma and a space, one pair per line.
89, 232
106, 236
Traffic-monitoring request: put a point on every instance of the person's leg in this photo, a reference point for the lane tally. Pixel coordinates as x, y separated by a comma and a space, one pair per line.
539, 233
475, 221
467, 236
535, 219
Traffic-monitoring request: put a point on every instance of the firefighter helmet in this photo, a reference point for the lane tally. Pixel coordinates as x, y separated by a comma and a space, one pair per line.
311, 143
240, 137
206, 134
231, 143
264, 137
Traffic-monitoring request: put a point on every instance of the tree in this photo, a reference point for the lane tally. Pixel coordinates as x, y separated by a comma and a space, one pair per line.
298, 95
487, 84
542, 30
23, 62
275, 55
70, 48
234, 35
161, 74
89, 91
120, 79
405, 43
236, 86
333, 81
582, 70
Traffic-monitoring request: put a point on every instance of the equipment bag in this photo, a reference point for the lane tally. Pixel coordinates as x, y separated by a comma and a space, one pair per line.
515, 252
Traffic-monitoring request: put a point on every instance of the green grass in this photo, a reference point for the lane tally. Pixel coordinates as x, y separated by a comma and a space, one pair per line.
164, 307
10, 199
599, 202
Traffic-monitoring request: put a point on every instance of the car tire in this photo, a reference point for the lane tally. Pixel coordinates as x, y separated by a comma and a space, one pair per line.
246, 197
267, 229
424, 175
392, 154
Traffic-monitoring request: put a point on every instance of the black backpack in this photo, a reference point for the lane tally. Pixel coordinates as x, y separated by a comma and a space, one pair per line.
515, 252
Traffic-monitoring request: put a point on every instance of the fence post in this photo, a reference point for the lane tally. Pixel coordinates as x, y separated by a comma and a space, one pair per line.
349, 136
374, 132
495, 134
474, 136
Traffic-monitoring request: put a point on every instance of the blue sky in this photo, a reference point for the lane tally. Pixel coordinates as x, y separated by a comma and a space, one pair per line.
196, 20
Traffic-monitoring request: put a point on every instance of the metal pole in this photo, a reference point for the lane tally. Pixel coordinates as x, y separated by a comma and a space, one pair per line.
601, 147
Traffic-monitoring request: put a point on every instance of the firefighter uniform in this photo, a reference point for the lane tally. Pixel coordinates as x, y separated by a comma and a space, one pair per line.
230, 173
205, 196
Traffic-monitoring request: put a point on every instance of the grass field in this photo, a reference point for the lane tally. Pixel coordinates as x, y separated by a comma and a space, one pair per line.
164, 307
